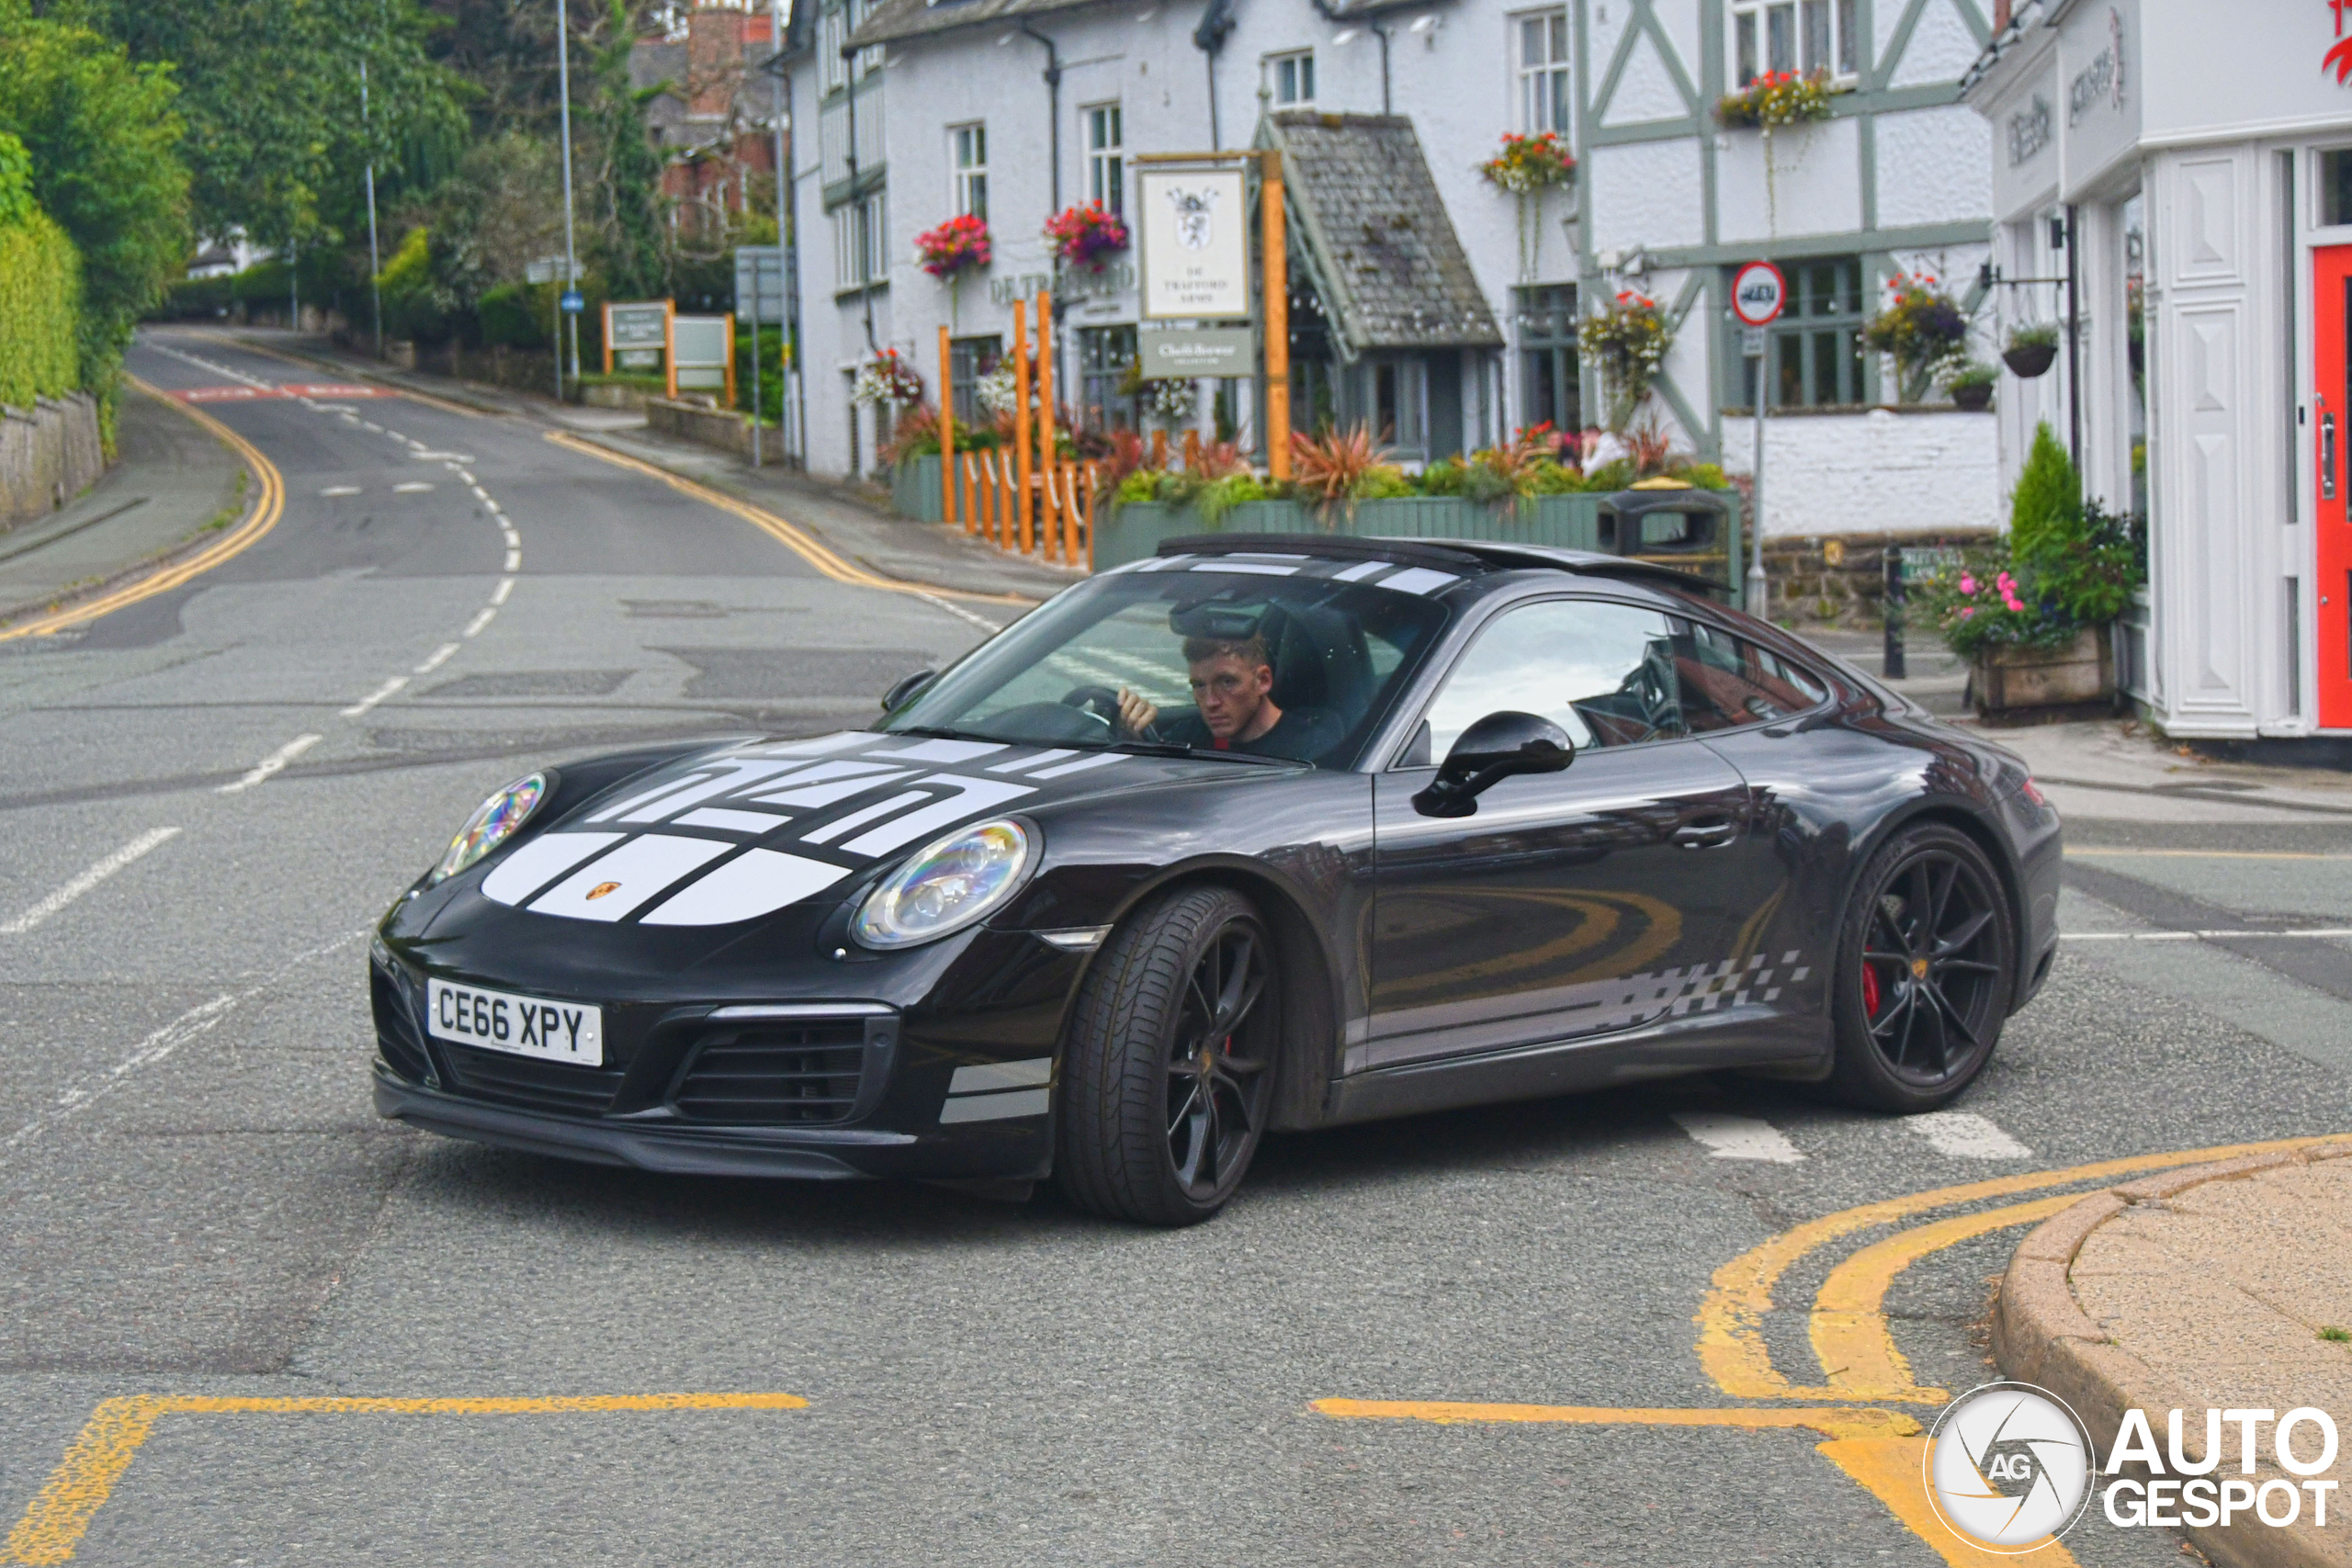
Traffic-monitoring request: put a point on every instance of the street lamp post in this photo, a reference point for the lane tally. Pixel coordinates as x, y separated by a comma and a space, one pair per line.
571, 262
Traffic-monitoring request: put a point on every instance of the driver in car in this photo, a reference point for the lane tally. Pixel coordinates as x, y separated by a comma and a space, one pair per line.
1233, 709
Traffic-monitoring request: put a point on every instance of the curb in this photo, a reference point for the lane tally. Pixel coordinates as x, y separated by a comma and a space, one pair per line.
2041, 1335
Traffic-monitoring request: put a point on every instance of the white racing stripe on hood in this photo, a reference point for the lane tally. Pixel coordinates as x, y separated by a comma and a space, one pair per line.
972, 796
834, 829
842, 780
529, 867
1036, 759
727, 821
1099, 760
638, 869
938, 751
813, 746
756, 882
725, 779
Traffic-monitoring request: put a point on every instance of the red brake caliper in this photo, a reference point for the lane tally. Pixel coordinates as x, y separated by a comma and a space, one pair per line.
1870, 991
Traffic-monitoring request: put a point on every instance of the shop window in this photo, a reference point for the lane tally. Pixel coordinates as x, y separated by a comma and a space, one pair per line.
1815, 349
1549, 389
1106, 361
1803, 36
968, 359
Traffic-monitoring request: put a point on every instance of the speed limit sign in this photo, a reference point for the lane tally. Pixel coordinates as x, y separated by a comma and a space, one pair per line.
1757, 292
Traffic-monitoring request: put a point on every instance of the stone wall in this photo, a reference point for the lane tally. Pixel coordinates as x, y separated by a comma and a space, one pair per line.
49, 455
1840, 580
700, 423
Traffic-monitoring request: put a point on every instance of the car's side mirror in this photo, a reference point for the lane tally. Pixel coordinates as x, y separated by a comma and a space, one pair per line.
906, 687
1495, 748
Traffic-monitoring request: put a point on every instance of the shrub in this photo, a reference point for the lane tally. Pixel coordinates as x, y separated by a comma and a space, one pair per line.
513, 314
1447, 476
1334, 469
41, 290
2048, 502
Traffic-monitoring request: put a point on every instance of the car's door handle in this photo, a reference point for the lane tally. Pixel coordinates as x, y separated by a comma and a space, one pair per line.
1711, 833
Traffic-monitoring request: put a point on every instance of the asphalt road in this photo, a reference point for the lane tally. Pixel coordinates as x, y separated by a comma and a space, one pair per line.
202, 1204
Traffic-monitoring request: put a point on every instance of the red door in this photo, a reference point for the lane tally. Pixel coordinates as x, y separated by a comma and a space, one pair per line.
2332, 445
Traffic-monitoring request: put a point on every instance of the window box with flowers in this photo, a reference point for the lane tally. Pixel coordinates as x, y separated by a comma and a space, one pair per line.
1628, 342
1527, 166
1776, 101
1082, 235
953, 248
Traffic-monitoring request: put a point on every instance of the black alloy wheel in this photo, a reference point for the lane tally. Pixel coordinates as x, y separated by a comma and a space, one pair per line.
1925, 963
1167, 1071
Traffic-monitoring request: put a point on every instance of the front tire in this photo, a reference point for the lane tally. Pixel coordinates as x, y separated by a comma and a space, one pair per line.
1926, 960
1168, 1072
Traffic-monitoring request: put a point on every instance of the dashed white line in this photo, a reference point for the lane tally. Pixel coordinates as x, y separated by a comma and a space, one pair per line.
340, 489
371, 424
378, 695
88, 880
411, 488
275, 763
481, 620
1739, 1138
440, 656
513, 561
505, 586
1963, 1134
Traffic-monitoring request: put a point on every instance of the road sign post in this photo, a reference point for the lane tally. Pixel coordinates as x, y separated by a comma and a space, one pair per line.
1757, 294
760, 300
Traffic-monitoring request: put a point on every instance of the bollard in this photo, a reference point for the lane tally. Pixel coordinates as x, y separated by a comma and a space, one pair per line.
1892, 667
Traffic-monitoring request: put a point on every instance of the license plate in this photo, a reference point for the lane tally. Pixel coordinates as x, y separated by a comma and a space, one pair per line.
526, 1026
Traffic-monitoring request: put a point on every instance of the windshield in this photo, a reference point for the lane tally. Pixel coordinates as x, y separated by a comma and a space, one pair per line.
1271, 657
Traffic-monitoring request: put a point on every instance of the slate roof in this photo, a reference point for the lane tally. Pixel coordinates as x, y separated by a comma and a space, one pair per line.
1391, 269
896, 19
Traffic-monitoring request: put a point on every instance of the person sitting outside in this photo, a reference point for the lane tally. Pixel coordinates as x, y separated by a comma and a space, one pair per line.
1234, 708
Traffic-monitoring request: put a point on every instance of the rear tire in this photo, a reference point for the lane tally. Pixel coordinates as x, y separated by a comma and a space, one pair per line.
1167, 1074
1926, 960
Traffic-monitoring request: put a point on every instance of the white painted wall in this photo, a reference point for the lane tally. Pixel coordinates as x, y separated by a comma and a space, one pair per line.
1878, 472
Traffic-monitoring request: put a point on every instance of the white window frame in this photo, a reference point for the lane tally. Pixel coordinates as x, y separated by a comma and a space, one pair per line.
833, 31
1300, 63
1106, 171
1823, 35
1543, 84
968, 180
861, 243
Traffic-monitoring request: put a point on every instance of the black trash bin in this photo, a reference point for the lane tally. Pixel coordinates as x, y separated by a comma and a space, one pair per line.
1672, 523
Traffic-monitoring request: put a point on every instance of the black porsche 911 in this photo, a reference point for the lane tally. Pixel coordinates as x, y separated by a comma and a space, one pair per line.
1261, 833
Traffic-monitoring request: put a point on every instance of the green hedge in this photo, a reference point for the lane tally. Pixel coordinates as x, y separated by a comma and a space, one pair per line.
41, 291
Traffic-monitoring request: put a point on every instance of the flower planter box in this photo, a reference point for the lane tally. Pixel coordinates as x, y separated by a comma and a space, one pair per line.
1974, 398
2031, 359
2036, 682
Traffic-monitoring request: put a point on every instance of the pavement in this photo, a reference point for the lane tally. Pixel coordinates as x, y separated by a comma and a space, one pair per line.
174, 485
1699, 1320
2223, 1286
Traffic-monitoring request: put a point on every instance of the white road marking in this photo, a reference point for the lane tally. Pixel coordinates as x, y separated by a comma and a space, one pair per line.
513, 561
1739, 1138
275, 763
411, 488
371, 424
467, 477
505, 587
88, 880
514, 540
440, 657
2327, 932
480, 621
378, 695
91, 1087
340, 489
960, 612
1963, 1134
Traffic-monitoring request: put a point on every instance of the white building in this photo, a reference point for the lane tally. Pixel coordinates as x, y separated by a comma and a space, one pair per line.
2201, 158
1019, 107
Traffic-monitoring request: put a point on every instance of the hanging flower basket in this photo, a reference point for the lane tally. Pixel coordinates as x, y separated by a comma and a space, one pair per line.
1775, 99
955, 247
2032, 350
1082, 236
887, 379
1922, 326
1628, 341
1530, 162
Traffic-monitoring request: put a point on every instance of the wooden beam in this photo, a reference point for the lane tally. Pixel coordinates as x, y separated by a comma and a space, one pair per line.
946, 431
1277, 264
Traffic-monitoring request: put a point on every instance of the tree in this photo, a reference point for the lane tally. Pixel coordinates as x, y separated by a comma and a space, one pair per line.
2049, 499
104, 136
624, 180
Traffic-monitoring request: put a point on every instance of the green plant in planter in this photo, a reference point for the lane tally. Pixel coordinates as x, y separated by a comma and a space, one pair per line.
1447, 476
2032, 347
1969, 382
2034, 334
1629, 342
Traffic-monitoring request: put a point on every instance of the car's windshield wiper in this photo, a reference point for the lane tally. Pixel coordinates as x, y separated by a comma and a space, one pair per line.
1176, 748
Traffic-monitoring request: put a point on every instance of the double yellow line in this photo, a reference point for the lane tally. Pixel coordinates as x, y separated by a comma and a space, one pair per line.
799, 541
268, 505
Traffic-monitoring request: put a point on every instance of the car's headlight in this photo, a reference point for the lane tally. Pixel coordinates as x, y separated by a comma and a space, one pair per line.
947, 884
493, 823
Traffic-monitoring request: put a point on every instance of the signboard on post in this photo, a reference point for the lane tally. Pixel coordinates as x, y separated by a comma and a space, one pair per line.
702, 356
637, 334
1194, 244
1758, 294
758, 285
547, 270
1173, 354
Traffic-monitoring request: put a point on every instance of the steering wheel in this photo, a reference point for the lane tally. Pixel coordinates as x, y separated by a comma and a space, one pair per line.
1100, 701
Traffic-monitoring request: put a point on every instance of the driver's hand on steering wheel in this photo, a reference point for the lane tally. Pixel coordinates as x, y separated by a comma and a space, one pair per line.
1135, 715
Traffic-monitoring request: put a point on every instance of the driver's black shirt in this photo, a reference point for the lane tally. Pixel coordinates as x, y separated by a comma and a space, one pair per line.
1301, 735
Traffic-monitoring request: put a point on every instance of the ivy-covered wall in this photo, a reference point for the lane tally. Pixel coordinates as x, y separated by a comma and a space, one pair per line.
41, 290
